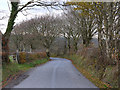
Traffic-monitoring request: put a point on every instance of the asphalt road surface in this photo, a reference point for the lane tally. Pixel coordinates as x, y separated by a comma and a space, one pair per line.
58, 73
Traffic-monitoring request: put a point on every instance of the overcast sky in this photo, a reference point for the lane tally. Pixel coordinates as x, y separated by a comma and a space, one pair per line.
37, 11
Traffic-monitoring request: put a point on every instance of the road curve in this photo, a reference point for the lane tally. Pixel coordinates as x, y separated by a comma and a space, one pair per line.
58, 73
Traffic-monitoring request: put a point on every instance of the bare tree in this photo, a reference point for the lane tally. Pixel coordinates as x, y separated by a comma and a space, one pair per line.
48, 31
15, 8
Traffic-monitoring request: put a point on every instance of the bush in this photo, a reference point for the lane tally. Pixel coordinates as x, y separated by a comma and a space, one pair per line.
28, 57
98, 64
22, 56
31, 57
35, 56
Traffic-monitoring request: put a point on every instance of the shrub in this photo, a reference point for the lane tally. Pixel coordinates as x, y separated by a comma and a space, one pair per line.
28, 57
22, 56
42, 54
31, 57
35, 56
98, 64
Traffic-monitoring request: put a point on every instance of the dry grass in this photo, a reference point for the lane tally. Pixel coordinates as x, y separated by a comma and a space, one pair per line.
92, 74
93, 79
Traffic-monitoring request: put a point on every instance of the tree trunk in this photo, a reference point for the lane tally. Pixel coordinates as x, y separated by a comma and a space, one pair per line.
75, 47
31, 48
69, 47
118, 65
48, 53
65, 47
5, 37
5, 50
17, 55
84, 41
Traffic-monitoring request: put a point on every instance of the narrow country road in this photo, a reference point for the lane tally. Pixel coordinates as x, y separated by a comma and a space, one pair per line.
58, 73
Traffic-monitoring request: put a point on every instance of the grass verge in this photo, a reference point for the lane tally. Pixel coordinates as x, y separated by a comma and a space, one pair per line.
12, 69
78, 63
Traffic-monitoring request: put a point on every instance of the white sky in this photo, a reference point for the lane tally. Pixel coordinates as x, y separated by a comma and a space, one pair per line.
5, 11
37, 11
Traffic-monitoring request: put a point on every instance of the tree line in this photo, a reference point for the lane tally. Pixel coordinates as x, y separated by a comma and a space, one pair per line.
82, 21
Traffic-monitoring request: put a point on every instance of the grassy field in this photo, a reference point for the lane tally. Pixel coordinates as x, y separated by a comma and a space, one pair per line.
14, 68
89, 71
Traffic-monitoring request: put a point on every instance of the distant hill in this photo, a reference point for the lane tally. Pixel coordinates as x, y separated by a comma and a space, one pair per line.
62, 39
